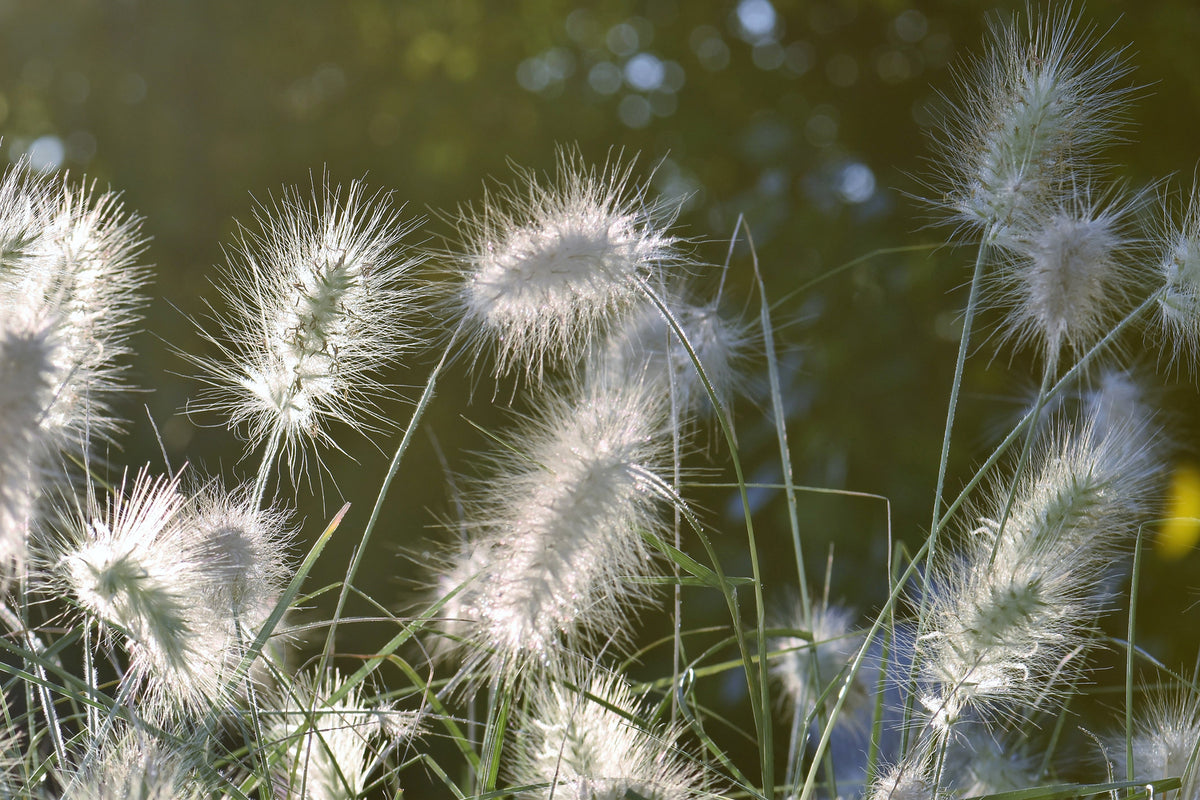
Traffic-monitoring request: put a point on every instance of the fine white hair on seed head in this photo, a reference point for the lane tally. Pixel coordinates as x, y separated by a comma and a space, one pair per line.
548, 264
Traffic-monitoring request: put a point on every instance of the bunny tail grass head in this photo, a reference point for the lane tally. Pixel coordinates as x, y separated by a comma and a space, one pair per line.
548, 264
317, 304
1029, 115
128, 564
244, 550
1015, 607
809, 665
563, 524
1165, 737
69, 289
330, 747
184, 582
131, 765
590, 742
26, 386
1179, 276
644, 347
1066, 277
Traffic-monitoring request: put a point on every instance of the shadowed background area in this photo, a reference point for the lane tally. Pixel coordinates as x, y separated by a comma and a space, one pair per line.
809, 120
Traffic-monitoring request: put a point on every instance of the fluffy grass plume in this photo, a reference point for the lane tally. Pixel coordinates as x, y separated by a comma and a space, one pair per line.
1014, 609
590, 743
548, 264
318, 303
1066, 277
562, 523
1179, 278
1029, 116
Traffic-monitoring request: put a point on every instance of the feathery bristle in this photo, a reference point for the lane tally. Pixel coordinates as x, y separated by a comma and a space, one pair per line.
1032, 113
593, 746
548, 267
563, 522
317, 307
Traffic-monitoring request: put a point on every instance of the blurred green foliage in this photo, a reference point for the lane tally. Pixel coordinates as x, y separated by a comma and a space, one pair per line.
809, 119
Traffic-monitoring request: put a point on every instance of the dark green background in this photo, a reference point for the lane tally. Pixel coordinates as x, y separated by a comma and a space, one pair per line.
196, 110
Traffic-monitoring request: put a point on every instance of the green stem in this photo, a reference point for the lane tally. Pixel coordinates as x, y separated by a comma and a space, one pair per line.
264, 469
943, 462
757, 683
959, 367
401, 449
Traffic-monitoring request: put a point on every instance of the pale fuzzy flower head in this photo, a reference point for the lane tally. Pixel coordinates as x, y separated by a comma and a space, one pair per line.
1179, 275
1117, 403
1013, 610
69, 285
461, 572
549, 264
1028, 117
910, 779
1066, 279
318, 304
329, 746
978, 763
572, 746
98, 245
78, 271
1165, 738
564, 519
122, 565
644, 347
26, 386
130, 766
244, 550
809, 666
186, 583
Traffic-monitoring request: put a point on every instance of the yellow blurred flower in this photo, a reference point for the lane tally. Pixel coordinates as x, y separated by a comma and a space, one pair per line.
1181, 528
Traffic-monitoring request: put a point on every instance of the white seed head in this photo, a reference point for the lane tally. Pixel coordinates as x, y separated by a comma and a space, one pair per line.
317, 307
979, 764
69, 288
26, 389
563, 521
76, 268
1029, 116
1165, 737
244, 552
643, 347
1013, 610
123, 566
547, 267
1179, 273
328, 746
131, 766
573, 746
1065, 281
186, 583
462, 571
910, 779
809, 666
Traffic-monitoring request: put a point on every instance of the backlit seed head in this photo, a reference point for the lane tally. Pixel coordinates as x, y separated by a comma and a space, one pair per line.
318, 304
549, 264
594, 746
1066, 277
1029, 116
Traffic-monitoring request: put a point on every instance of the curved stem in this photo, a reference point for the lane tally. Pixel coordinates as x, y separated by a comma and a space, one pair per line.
401, 449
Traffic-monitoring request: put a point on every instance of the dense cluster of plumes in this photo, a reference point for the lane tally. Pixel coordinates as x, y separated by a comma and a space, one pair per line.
591, 316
